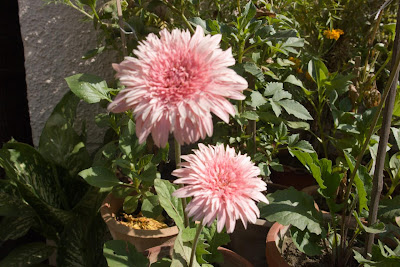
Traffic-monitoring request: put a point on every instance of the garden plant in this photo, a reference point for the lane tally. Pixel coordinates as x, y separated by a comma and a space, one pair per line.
210, 98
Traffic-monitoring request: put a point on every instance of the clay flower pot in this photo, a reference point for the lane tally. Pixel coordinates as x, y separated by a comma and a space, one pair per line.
255, 235
275, 236
141, 239
231, 259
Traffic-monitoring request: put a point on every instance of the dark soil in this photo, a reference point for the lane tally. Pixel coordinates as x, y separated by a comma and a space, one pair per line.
295, 257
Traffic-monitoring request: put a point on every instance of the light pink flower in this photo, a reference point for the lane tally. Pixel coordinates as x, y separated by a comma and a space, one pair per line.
174, 84
223, 184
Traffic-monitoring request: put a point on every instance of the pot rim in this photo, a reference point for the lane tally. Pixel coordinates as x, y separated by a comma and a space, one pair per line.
274, 256
109, 218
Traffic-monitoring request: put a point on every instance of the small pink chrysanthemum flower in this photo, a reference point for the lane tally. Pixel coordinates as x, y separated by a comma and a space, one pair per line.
175, 82
223, 184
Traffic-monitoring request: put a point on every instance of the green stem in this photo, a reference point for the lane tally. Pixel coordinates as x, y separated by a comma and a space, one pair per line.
178, 162
80, 10
195, 241
238, 6
240, 60
181, 14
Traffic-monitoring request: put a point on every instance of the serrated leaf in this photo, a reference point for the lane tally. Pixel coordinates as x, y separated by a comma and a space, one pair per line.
257, 99
201, 251
276, 108
27, 255
89, 88
272, 88
293, 207
281, 94
296, 109
100, 177
215, 240
171, 204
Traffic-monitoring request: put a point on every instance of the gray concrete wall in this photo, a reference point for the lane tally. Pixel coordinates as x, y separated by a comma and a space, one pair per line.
55, 37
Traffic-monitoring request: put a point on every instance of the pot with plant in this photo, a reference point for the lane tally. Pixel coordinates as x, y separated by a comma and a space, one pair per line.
361, 196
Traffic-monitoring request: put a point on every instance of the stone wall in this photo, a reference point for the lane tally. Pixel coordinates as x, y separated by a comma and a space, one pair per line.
55, 37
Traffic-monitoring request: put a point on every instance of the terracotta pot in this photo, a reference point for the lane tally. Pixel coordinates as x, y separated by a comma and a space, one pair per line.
275, 238
255, 235
141, 239
231, 259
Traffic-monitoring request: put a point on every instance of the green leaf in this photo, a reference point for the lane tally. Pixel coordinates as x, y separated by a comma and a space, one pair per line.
362, 181
89, 88
172, 205
318, 71
303, 145
254, 70
310, 161
15, 227
24, 164
250, 115
257, 99
27, 255
201, 250
100, 177
81, 242
296, 109
120, 253
188, 234
151, 207
281, 94
276, 107
131, 203
215, 240
181, 253
293, 207
248, 13
149, 173
306, 242
129, 143
293, 42
293, 80
272, 88
389, 209
59, 143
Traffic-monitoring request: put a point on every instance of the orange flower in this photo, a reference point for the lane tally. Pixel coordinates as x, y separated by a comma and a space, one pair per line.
333, 34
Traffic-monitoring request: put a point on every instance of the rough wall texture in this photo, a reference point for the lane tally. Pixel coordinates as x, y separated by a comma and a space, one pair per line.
55, 37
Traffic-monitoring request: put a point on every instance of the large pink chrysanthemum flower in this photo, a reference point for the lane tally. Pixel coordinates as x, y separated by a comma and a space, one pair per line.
223, 184
174, 84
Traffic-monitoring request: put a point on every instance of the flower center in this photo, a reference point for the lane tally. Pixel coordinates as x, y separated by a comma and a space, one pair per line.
224, 178
178, 78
